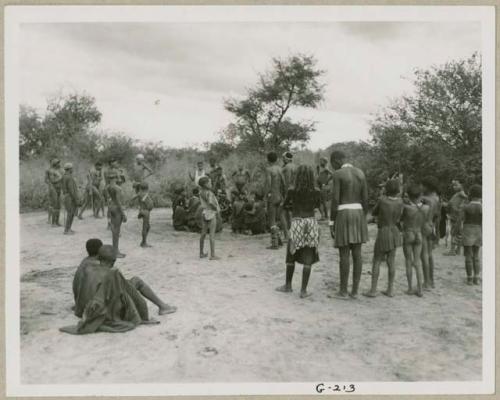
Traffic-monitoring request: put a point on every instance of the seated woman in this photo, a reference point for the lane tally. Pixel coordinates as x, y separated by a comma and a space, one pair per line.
256, 215
179, 215
107, 302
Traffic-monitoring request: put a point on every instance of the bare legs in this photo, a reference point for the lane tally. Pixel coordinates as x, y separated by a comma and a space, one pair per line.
412, 259
287, 287
472, 265
345, 252
148, 293
377, 260
210, 228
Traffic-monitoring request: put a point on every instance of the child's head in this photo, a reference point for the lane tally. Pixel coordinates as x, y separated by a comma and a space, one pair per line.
179, 191
304, 179
196, 191
476, 192
144, 187
93, 246
414, 192
204, 182
272, 157
392, 187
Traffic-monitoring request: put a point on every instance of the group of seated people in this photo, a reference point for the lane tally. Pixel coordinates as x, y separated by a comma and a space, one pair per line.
248, 212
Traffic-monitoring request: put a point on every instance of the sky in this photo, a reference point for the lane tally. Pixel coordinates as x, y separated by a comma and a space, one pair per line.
167, 81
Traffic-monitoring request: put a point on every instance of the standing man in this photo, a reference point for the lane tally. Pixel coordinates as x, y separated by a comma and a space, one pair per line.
347, 223
199, 172
71, 198
93, 195
289, 171
455, 208
140, 173
116, 213
113, 169
54, 178
275, 196
324, 179
241, 177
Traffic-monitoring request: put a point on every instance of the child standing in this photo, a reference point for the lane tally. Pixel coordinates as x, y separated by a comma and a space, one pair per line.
210, 209
388, 212
145, 208
116, 213
303, 240
472, 234
414, 216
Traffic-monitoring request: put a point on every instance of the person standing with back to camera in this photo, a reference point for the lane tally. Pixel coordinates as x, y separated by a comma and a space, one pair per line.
348, 225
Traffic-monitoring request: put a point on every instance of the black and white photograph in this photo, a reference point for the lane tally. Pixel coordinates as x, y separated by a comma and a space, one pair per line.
238, 200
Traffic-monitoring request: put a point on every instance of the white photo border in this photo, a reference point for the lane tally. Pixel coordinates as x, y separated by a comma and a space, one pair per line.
16, 15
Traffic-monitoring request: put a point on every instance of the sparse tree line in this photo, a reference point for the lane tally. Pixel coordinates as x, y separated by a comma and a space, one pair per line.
434, 131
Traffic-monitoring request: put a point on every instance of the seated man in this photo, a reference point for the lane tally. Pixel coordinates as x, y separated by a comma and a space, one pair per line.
238, 216
92, 246
179, 216
256, 216
107, 302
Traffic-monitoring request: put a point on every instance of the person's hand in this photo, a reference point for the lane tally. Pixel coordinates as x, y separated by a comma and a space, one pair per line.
124, 218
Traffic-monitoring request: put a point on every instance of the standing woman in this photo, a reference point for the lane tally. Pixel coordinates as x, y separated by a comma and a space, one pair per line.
303, 240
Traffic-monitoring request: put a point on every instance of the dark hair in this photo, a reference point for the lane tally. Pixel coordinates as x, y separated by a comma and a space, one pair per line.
392, 187
414, 191
476, 192
430, 183
93, 246
144, 186
337, 155
304, 179
248, 207
179, 190
258, 196
203, 181
98, 164
272, 157
196, 191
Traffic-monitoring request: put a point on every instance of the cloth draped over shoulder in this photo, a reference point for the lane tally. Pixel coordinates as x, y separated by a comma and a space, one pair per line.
109, 302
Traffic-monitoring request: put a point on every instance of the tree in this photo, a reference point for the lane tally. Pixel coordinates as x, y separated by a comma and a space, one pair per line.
436, 130
30, 132
262, 123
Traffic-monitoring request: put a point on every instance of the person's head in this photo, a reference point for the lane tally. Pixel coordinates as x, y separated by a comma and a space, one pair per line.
56, 163
196, 191
112, 178
456, 185
258, 196
429, 185
414, 192
93, 246
218, 170
98, 165
68, 168
476, 192
248, 207
113, 163
211, 161
107, 255
287, 157
204, 182
392, 187
323, 161
199, 164
304, 179
272, 157
337, 159
139, 158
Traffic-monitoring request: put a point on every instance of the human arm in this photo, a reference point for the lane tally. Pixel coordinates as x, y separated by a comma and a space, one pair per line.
335, 200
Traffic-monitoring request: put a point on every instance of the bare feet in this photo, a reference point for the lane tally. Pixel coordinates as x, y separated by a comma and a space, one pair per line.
284, 289
145, 245
69, 232
388, 293
166, 309
339, 295
150, 321
370, 294
353, 296
475, 280
203, 255
410, 292
120, 255
418, 293
305, 294
214, 258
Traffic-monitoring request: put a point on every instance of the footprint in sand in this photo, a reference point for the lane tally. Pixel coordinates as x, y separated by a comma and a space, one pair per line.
208, 352
210, 328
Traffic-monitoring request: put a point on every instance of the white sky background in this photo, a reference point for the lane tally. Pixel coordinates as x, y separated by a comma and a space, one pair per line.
192, 67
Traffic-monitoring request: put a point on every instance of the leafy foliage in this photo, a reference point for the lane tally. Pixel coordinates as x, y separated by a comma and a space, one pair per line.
262, 123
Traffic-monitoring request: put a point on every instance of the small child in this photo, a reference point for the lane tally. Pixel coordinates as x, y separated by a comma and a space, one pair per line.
145, 207
413, 219
388, 212
210, 210
472, 234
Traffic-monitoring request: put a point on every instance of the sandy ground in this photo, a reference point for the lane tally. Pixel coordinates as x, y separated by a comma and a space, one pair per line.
231, 325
